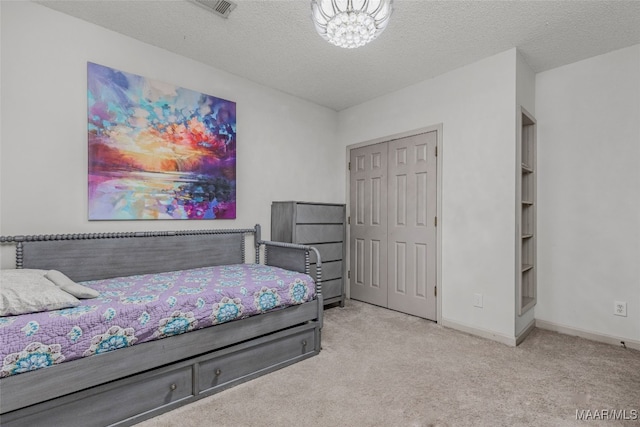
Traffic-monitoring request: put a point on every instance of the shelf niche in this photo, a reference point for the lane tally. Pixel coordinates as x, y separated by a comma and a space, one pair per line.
526, 212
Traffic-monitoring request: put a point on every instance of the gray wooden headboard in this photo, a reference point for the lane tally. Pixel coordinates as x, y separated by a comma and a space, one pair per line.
106, 255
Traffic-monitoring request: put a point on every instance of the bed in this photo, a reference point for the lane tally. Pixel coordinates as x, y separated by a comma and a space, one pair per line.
179, 316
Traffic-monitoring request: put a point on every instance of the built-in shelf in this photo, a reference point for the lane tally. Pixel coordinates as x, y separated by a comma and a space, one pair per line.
528, 302
526, 212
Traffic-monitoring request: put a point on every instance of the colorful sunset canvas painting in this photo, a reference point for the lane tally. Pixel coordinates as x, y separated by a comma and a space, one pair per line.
158, 151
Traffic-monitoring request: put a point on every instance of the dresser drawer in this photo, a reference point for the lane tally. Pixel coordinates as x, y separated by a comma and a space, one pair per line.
307, 234
328, 252
332, 288
113, 402
319, 214
223, 370
330, 270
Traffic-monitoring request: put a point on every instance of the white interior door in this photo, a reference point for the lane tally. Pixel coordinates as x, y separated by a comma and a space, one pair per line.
393, 231
368, 229
411, 225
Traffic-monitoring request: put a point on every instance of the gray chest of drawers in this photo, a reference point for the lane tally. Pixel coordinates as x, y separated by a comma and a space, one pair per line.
321, 225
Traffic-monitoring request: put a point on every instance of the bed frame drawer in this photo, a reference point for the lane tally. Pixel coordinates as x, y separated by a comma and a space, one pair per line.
131, 400
242, 365
111, 403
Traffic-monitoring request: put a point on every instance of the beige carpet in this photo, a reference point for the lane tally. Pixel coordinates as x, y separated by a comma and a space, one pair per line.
382, 368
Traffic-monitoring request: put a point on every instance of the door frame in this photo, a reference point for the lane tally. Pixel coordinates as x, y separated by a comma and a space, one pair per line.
438, 129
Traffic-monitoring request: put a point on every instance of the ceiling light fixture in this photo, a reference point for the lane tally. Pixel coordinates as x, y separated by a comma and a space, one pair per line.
350, 23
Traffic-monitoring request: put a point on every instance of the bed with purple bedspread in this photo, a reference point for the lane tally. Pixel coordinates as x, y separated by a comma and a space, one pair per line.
179, 315
141, 308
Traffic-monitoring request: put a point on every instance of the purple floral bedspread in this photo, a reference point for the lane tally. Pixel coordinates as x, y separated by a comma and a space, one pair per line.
136, 309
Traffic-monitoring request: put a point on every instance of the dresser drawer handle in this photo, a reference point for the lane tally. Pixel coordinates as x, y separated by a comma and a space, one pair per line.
304, 343
218, 372
173, 387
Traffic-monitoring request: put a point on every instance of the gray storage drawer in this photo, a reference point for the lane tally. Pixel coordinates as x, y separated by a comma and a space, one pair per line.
307, 234
221, 371
328, 252
330, 270
117, 401
332, 288
320, 214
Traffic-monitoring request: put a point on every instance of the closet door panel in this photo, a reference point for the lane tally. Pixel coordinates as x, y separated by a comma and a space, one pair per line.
411, 230
368, 211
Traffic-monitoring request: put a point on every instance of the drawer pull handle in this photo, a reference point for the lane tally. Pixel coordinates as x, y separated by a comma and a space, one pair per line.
218, 372
173, 387
304, 343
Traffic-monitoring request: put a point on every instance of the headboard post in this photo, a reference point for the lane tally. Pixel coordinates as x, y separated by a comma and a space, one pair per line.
19, 254
19, 247
257, 240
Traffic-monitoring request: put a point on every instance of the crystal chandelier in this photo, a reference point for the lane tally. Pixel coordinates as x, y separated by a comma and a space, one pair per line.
350, 23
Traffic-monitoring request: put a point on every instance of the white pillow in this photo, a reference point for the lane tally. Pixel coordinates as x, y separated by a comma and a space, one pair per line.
28, 291
68, 285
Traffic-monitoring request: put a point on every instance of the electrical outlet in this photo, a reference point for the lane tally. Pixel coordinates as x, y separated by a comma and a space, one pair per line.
477, 300
620, 308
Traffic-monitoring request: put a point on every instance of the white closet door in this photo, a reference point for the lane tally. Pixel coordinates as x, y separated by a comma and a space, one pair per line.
368, 211
411, 225
392, 230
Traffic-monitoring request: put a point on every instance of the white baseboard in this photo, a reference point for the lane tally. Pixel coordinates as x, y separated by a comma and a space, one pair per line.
483, 333
526, 331
494, 336
593, 336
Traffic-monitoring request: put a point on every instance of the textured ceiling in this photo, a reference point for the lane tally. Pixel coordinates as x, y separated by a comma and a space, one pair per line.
273, 42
